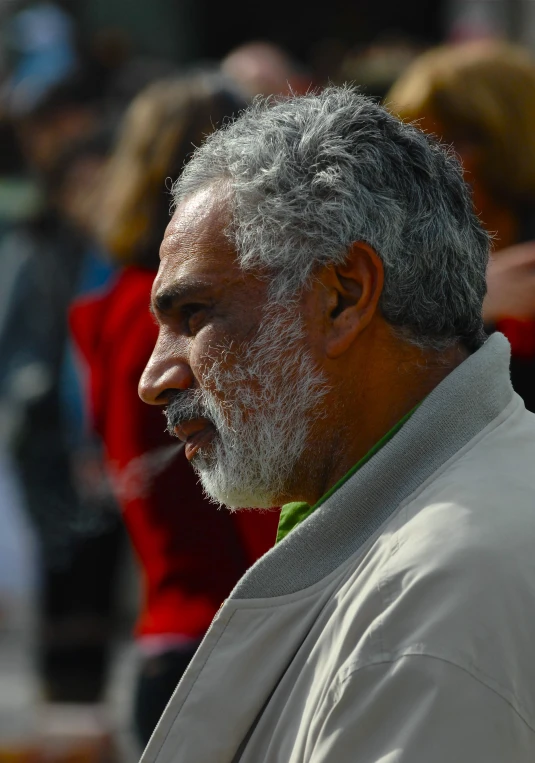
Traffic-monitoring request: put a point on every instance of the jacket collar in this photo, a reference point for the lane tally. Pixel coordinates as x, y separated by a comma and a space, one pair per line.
458, 409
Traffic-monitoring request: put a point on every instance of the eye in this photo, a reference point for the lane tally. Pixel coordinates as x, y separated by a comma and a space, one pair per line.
193, 316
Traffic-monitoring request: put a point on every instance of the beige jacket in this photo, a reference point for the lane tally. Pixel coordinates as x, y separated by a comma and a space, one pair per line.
397, 623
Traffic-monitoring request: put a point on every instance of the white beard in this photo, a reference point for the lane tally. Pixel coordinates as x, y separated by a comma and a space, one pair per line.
272, 393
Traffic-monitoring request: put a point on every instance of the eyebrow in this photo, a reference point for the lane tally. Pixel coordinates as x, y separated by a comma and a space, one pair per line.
167, 299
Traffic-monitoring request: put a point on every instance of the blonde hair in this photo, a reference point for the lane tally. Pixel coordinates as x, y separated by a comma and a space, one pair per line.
159, 132
481, 94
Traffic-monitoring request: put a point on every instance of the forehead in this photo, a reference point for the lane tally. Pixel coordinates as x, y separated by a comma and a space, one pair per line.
195, 247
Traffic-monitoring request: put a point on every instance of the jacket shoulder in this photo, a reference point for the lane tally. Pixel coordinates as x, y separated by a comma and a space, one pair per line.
458, 581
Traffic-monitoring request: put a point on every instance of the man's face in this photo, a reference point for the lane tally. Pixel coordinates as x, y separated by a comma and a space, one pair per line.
234, 371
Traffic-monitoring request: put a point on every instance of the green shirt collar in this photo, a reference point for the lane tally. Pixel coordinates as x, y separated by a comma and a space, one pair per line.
292, 514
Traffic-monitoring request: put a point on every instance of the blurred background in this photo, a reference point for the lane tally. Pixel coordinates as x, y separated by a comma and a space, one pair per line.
112, 564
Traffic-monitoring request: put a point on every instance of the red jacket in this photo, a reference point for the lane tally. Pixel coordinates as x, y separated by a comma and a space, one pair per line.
191, 553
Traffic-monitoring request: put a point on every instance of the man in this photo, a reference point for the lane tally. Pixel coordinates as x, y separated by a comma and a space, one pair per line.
321, 346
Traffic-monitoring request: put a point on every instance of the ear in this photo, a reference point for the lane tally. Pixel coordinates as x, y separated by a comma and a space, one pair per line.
352, 297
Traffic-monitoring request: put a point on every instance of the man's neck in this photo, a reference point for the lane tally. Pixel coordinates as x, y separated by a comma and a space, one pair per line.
361, 422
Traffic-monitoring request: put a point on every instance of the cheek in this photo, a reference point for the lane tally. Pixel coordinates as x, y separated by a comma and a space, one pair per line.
207, 351
223, 342
220, 370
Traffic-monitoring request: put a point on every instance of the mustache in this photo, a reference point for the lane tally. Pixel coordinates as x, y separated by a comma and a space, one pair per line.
184, 406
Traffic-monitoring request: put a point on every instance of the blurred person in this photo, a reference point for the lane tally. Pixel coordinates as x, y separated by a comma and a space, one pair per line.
480, 97
66, 111
18, 565
321, 346
42, 261
83, 600
18, 558
190, 554
128, 79
263, 68
41, 39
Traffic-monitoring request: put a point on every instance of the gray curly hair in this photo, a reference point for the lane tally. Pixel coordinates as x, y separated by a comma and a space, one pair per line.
310, 175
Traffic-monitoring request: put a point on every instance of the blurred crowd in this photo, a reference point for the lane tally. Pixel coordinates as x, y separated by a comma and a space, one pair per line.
88, 149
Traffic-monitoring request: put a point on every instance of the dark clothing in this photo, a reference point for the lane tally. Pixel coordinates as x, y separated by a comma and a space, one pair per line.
156, 683
39, 271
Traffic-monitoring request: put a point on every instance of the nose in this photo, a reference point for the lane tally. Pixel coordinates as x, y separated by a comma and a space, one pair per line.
164, 374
